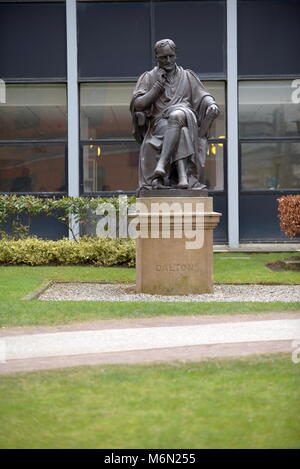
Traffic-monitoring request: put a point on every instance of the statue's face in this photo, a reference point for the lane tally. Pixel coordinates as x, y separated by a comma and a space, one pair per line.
166, 58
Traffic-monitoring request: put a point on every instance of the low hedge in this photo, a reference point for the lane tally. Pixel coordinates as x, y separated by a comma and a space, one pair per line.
95, 251
18, 211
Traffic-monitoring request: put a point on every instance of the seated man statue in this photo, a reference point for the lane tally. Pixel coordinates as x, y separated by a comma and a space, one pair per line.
172, 113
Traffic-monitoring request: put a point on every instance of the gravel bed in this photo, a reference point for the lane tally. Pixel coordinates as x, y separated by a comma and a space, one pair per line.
126, 292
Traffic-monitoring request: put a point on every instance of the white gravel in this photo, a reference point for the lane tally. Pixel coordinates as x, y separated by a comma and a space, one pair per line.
126, 292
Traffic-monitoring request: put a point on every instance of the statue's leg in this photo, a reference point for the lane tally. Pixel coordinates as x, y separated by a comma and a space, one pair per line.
176, 121
182, 176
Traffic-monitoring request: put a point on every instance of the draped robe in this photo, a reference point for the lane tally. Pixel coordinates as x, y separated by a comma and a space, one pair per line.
183, 92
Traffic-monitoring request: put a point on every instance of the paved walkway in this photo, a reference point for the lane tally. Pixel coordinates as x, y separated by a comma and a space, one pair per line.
146, 340
259, 247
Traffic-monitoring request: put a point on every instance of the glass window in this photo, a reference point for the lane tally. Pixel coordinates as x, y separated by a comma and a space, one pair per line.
110, 167
104, 114
267, 109
113, 39
271, 165
32, 168
214, 167
198, 29
104, 110
268, 37
217, 89
33, 40
34, 111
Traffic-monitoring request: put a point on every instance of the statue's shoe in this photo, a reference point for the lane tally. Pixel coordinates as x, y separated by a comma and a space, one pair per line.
182, 184
198, 187
158, 184
159, 171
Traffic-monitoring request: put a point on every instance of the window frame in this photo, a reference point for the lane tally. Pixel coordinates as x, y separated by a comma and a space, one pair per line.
263, 139
95, 141
39, 142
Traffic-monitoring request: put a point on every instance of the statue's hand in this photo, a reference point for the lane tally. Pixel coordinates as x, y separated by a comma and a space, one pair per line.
212, 111
161, 76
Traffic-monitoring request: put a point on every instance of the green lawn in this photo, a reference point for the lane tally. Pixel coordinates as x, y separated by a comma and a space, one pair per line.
229, 269
244, 403
17, 282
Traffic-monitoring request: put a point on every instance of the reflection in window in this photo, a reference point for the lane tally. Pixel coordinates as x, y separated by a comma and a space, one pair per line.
104, 114
217, 89
267, 109
32, 168
271, 166
110, 167
104, 110
214, 167
34, 111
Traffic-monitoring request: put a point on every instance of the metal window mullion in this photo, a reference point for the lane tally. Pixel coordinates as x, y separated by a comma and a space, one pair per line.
232, 126
73, 105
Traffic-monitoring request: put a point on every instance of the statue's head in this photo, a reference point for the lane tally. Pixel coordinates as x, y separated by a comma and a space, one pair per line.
165, 53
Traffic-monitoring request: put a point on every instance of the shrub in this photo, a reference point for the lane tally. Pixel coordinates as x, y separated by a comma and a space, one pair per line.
289, 215
19, 211
96, 251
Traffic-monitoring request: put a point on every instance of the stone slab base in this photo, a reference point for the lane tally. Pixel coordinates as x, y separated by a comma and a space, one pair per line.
172, 193
169, 261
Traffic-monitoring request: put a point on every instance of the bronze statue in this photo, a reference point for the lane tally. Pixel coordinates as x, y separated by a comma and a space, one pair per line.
172, 113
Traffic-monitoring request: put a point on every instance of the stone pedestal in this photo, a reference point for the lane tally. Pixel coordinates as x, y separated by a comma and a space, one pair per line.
174, 253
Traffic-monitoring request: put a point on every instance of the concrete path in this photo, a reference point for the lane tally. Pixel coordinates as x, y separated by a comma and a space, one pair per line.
259, 247
146, 340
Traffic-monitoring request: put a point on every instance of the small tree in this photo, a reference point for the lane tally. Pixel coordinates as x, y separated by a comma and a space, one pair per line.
289, 215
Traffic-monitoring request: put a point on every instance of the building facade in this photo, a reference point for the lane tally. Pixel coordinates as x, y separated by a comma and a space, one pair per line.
67, 72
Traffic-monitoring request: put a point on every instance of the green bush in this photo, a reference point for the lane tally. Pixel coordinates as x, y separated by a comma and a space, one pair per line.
96, 251
18, 211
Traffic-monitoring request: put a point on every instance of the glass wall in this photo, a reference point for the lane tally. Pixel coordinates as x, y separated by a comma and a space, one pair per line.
268, 37
214, 167
268, 109
104, 110
32, 168
35, 112
271, 165
33, 135
109, 151
269, 135
110, 167
199, 30
33, 40
115, 39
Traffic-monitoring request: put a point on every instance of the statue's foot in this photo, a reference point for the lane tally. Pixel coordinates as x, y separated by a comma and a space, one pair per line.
159, 171
198, 187
157, 184
183, 183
